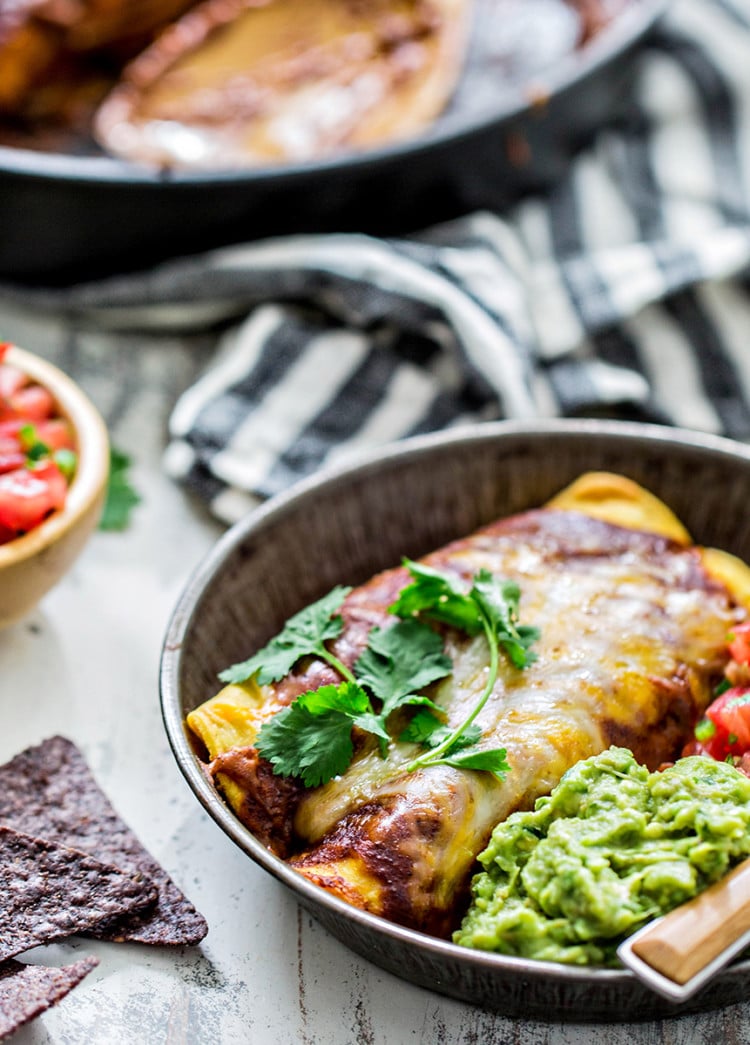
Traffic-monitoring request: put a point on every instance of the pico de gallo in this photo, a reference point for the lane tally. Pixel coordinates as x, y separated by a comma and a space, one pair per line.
37, 452
724, 731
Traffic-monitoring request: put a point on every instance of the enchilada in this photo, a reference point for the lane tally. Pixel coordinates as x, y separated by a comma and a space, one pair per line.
633, 620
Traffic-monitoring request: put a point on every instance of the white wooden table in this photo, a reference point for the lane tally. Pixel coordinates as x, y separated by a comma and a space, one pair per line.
85, 664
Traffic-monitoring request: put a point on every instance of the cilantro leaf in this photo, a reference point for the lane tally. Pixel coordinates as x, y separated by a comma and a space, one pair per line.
438, 595
372, 723
490, 761
491, 606
429, 731
490, 600
312, 738
347, 697
461, 752
34, 448
397, 662
423, 729
67, 461
304, 634
121, 497
499, 601
401, 660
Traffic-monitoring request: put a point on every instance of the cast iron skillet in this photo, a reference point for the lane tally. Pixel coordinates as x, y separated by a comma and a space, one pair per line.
65, 218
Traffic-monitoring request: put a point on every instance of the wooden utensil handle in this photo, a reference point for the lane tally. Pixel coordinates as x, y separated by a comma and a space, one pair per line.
688, 938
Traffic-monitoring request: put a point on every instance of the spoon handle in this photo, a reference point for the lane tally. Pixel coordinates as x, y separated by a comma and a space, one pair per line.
688, 938
679, 953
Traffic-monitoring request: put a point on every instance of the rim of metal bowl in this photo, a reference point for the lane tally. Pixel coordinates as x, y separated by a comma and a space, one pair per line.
372, 462
625, 30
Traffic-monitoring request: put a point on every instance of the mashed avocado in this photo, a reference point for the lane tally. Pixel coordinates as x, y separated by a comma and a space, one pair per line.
612, 847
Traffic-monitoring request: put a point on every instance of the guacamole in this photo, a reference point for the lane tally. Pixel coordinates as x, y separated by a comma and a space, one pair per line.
612, 847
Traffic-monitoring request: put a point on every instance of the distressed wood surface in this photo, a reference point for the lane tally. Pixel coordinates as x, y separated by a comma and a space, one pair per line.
85, 664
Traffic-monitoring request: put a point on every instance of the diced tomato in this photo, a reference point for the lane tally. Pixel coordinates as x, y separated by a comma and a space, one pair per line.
11, 427
56, 433
716, 746
12, 454
33, 403
11, 380
9, 441
730, 713
28, 495
32, 483
724, 732
739, 644
11, 459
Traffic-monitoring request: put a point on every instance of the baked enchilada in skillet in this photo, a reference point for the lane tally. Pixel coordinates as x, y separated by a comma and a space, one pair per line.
608, 626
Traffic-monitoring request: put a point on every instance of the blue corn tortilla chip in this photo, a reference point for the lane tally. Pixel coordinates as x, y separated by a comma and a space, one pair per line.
50, 892
26, 991
48, 791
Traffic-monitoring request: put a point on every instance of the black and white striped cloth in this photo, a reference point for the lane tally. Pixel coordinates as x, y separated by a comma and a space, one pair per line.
625, 293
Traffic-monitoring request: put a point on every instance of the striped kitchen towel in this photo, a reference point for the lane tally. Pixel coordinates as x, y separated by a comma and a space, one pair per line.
624, 292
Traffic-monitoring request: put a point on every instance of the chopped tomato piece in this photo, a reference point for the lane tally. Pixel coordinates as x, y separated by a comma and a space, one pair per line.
739, 644
33, 403
10, 428
717, 746
37, 451
12, 454
9, 440
10, 460
11, 380
56, 433
7, 412
731, 715
28, 495
724, 732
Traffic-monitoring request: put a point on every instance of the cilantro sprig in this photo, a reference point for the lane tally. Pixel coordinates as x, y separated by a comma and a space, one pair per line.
312, 737
490, 606
305, 634
490, 602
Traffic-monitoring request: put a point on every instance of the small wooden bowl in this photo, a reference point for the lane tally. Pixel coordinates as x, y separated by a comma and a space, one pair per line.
32, 564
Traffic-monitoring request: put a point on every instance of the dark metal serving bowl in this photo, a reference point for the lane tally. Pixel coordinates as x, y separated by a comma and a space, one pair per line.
67, 217
345, 525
